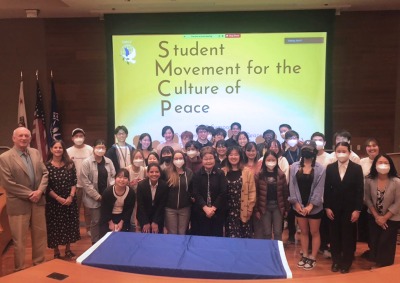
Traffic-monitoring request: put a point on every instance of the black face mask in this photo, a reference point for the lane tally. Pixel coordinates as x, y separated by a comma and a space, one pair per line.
307, 154
167, 159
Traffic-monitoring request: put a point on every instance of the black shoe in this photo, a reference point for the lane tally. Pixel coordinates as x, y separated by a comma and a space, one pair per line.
335, 267
344, 270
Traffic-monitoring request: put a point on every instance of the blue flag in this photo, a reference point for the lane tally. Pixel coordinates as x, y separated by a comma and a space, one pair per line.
55, 125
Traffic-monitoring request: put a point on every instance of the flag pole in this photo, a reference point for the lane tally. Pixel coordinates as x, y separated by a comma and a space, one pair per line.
37, 75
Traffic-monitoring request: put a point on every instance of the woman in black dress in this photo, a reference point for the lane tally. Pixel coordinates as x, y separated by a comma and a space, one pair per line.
62, 216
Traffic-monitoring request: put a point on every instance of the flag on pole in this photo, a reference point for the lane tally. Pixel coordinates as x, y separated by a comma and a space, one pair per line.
55, 125
39, 140
22, 121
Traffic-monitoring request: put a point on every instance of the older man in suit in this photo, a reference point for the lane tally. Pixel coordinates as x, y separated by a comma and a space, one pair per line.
25, 177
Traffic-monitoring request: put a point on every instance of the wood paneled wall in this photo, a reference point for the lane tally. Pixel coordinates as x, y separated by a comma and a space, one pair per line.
365, 67
365, 74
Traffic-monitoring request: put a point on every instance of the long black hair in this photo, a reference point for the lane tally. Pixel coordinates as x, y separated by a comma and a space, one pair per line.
264, 167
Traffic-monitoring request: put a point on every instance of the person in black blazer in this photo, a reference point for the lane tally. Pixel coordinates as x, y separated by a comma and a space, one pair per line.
152, 196
209, 189
343, 201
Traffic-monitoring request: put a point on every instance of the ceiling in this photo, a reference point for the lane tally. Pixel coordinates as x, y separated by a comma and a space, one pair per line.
97, 8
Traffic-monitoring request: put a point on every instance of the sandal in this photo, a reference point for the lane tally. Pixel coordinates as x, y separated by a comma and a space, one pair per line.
69, 254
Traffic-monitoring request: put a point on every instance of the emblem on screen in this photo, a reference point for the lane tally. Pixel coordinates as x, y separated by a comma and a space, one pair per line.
128, 53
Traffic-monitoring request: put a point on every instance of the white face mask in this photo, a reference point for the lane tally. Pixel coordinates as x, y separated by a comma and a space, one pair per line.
342, 157
283, 135
209, 137
292, 143
270, 165
99, 152
320, 145
383, 168
192, 153
138, 162
179, 163
78, 141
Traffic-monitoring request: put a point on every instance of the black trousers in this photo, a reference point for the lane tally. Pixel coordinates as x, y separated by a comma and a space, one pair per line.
343, 236
213, 226
324, 232
383, 242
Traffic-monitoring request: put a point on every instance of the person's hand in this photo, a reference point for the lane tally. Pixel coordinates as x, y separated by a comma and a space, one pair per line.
35, 196
354, 216
209, 211
61, 200
68, 201
381, 221
329, 213
308, 209
146, 228
299, 209
118, 227
154, 228
111, 225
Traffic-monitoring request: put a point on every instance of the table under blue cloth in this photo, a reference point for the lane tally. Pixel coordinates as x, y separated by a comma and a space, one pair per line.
189, 256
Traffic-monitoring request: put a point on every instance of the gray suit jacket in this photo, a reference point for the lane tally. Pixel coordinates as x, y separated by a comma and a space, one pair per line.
391, 200
15, 180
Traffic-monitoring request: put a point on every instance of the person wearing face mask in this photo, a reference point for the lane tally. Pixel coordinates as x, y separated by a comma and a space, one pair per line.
344, 136
137, 172
292, 155
268, 136
79, 152
343, 201
120, 152
306, 185
166, 158
178, 207
192, 159
324, 159
202, 137
283, 164
98, 173
283, 128
272, 199
382, 197
241, 196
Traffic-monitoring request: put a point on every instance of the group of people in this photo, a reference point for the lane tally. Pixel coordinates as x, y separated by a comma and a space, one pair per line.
211, 186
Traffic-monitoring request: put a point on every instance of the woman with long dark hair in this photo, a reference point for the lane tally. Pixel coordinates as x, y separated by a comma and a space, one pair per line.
382, 197
306, 184
241, 196
272, 199
145, 144
62, 217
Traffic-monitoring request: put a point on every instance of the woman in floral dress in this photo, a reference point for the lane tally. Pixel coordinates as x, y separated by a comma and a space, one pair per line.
62, 216
241, 196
